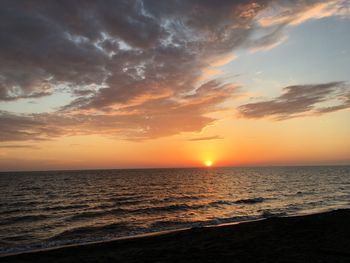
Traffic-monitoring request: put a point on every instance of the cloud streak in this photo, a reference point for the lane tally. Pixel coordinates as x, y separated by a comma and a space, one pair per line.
208, 138
301, 100
19, 146
296, 12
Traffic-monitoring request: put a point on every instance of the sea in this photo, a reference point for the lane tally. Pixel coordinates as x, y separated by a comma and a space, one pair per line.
48, 209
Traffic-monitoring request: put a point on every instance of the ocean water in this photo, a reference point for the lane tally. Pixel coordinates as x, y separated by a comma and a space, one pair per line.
50, 209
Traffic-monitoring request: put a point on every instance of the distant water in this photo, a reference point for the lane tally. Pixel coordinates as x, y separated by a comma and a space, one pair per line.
49, 209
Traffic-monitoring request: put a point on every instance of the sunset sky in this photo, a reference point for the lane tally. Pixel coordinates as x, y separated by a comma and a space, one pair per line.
129, 84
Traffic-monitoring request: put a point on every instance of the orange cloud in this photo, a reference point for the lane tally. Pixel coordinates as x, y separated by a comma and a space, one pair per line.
280, 14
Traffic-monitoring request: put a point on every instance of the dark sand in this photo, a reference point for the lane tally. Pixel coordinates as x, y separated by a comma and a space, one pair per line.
314, 238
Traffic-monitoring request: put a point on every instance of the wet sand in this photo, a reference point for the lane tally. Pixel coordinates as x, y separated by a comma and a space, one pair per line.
321, 237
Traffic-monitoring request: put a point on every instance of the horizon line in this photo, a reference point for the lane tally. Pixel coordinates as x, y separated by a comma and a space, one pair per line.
180, 167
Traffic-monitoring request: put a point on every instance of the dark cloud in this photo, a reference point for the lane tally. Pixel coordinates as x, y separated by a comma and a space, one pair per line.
134, 68
301, 100
208, 138
20, 127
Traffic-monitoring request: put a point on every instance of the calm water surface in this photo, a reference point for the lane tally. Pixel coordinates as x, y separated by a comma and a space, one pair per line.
48, 209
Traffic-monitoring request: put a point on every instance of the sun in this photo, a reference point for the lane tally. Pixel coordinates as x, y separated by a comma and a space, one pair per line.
208, 163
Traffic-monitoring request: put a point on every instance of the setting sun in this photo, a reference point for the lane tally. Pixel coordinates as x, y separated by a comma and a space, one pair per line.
208, 163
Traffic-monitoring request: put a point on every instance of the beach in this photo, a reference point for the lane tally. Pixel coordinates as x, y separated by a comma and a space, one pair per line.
323, 237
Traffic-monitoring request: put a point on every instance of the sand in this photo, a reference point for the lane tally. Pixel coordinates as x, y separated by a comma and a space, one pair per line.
321, 237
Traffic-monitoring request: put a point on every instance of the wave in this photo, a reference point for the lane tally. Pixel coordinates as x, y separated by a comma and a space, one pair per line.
12, 211
94, 214
270, 214
23, 219
105, 211
221, 202
180, 198
166, 224
170, 224
38, 209
24, 203
89, 231
240, 201
169, 208
129, 202
121, 199
16, 238
250, 200
129, 211
64, 207
30, 188
228, 220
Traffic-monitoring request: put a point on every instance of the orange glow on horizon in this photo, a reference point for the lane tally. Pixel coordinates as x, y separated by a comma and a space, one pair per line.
253, 143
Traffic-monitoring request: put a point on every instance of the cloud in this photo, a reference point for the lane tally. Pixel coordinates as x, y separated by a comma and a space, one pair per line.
208, 138
268, 42
134, 69
144, 119
280, 14
301, 100
223, 60
296, 12
16, 146
20, 127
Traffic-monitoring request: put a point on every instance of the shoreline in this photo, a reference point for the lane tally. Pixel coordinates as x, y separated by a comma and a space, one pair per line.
165, 232
131, 237
151, 245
